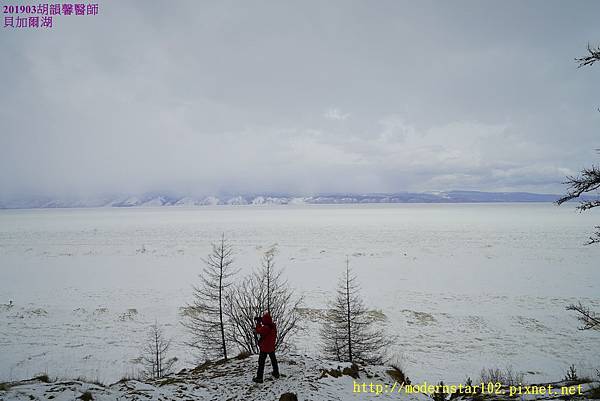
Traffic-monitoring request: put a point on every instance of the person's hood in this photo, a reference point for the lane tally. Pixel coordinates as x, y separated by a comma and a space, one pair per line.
267, 318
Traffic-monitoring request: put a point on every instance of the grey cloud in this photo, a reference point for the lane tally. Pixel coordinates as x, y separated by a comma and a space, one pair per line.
207, 97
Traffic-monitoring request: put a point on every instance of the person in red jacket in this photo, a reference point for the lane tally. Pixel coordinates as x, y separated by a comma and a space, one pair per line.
268, 336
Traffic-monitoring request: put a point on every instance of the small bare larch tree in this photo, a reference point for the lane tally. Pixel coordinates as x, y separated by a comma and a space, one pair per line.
269, 276
348, 333
205, 318
155, 354
262, 291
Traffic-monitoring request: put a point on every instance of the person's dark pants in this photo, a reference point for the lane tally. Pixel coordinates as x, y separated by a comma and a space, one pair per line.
261, 364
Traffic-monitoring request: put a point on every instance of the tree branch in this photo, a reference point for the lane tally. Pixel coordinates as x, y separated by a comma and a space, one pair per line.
587, 181
588, 318
591, 58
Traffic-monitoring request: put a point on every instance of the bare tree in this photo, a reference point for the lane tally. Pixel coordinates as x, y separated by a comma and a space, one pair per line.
268, 274
264, 290
588, 318
155, 354
205, 317
587, 181
348, 333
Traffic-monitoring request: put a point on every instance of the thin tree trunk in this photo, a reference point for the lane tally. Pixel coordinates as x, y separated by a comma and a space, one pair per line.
157, 374
221, 300
348, 310
269, 287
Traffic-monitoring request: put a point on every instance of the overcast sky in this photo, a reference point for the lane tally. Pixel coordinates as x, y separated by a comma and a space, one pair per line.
303, 97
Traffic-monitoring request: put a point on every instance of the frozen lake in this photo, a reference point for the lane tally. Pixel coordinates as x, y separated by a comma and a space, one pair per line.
463, 285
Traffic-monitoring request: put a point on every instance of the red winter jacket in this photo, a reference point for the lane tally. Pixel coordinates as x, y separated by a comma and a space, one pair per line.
268, 334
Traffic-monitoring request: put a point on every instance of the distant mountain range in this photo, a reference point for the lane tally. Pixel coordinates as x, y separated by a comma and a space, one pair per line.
158, 200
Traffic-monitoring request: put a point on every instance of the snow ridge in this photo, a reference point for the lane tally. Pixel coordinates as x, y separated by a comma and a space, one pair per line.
159, 200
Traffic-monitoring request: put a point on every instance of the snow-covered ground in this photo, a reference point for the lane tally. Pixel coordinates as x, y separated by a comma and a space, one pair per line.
306, 378
463, 286
224, 381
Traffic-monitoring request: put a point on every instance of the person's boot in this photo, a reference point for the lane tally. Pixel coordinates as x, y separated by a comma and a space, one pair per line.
275, 375
257, 379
